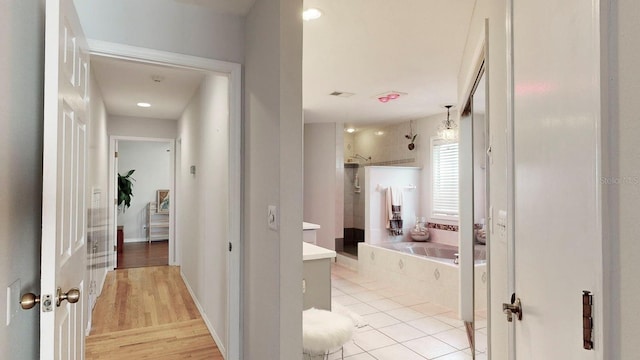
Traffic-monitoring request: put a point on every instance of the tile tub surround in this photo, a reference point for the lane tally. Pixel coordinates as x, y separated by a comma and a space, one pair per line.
443, 233
401, 325
442, 226
435, 281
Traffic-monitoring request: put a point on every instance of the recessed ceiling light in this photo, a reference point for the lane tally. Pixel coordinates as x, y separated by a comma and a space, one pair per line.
379, 133
350, 130
311, 14
144, 104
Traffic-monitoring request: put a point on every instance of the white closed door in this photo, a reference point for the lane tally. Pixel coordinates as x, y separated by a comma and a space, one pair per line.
64, 189
558, 240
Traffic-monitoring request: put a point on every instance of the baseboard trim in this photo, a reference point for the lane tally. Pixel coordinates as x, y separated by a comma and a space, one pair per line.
347, 262
95, 300
212, 331
135, 240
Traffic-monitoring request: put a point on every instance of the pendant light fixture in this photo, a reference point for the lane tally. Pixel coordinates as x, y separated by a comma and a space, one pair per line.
448, 130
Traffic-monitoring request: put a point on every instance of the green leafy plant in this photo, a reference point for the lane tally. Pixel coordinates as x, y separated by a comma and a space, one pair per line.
125, 190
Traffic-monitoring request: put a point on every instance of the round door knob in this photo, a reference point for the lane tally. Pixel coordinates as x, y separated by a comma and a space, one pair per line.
72, 296
29, 300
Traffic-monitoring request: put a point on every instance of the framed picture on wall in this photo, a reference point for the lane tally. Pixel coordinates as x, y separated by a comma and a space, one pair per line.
162, 199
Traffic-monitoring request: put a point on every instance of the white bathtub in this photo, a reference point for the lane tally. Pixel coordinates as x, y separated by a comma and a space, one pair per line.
433, 251
423, 269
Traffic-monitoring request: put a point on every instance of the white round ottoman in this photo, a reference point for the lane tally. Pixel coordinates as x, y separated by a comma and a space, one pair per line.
324, 332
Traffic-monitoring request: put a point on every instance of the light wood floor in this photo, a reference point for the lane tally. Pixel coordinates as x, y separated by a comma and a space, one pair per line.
147, 313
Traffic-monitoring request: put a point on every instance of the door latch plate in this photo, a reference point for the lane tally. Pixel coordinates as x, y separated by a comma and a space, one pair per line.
47, 303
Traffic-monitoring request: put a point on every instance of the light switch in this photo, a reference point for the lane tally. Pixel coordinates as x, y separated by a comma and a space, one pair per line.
502, 223
272, 217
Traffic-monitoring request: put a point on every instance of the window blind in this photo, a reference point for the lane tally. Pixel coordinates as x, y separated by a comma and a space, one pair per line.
444, 192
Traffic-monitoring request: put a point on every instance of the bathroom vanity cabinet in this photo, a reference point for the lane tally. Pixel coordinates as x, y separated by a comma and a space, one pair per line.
316, 276
309, 232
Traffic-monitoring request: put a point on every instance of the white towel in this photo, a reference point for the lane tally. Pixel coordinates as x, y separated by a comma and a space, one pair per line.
396, 196
389, 212
393, 198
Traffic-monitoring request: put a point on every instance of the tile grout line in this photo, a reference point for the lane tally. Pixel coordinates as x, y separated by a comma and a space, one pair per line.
349, 284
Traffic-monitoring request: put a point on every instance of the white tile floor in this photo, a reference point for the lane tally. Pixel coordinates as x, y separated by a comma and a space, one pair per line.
401, 326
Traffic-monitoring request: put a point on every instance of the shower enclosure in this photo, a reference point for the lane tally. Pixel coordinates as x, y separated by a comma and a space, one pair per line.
353, 205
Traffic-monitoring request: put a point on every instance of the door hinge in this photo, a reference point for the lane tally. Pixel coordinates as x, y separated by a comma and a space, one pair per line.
587, 320
115, 154
115, 247
230, 246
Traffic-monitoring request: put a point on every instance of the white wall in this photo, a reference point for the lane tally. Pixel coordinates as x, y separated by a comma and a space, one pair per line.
142, 127
495, 11
273, 174
21, 104
98, 227
151, 161
187, 186
166, 25
624, 197
202, 200
323, 181
377, 180
390, 148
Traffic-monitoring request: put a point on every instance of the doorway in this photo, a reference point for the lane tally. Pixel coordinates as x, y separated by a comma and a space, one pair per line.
211, 116
145, 230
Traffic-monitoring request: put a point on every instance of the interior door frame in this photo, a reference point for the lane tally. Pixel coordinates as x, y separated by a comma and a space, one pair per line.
511, 181
113, 171
234, 72
478, 69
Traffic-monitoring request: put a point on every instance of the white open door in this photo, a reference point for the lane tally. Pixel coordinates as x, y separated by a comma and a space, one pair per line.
558, 215
64, 184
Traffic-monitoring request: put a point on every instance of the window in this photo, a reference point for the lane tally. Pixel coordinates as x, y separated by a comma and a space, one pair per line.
444, 180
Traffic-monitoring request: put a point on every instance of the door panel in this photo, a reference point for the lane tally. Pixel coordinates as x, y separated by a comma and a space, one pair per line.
556, 149
64, 183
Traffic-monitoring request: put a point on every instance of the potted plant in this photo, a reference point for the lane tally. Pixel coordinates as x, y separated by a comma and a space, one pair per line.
125, 190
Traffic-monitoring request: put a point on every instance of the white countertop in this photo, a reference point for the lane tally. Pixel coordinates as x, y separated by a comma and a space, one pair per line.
310, 226
314, 252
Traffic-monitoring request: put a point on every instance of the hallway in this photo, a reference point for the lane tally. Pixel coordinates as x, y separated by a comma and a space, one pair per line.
141, 254
148, 313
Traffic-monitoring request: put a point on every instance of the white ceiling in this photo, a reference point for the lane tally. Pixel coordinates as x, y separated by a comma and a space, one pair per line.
124, 83
366, 47
238, 7
369, 47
